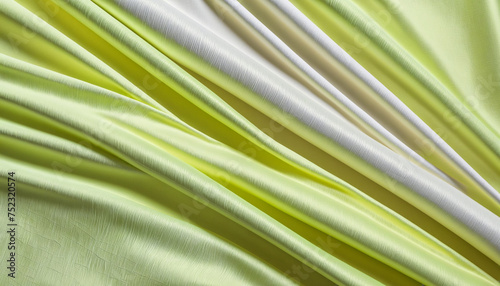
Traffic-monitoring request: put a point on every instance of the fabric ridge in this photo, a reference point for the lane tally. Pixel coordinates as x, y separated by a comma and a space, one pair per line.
250, 142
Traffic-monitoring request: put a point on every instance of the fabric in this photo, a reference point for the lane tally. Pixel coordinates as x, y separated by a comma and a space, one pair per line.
250, 142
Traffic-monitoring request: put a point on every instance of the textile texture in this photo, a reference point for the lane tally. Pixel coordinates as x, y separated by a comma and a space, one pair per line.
250, 142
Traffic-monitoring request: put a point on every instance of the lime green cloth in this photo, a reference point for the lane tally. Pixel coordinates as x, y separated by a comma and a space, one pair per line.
252, 142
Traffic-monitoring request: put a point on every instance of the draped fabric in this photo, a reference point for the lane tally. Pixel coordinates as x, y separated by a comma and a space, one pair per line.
250, 142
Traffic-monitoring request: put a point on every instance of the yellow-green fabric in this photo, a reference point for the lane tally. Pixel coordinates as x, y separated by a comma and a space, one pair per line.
251, 142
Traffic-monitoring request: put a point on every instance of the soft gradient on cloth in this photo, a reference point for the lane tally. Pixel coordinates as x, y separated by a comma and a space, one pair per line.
252, 142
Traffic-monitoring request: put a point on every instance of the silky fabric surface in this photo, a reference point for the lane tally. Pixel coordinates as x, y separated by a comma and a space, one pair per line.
252, 142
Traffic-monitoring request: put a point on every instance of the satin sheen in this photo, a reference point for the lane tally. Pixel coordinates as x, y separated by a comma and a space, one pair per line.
252, 142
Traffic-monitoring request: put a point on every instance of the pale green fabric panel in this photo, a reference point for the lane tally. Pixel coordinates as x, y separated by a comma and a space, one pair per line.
142, 158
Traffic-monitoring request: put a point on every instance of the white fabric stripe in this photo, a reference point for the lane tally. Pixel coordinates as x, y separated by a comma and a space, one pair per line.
343, 57
450, 202
325, 84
